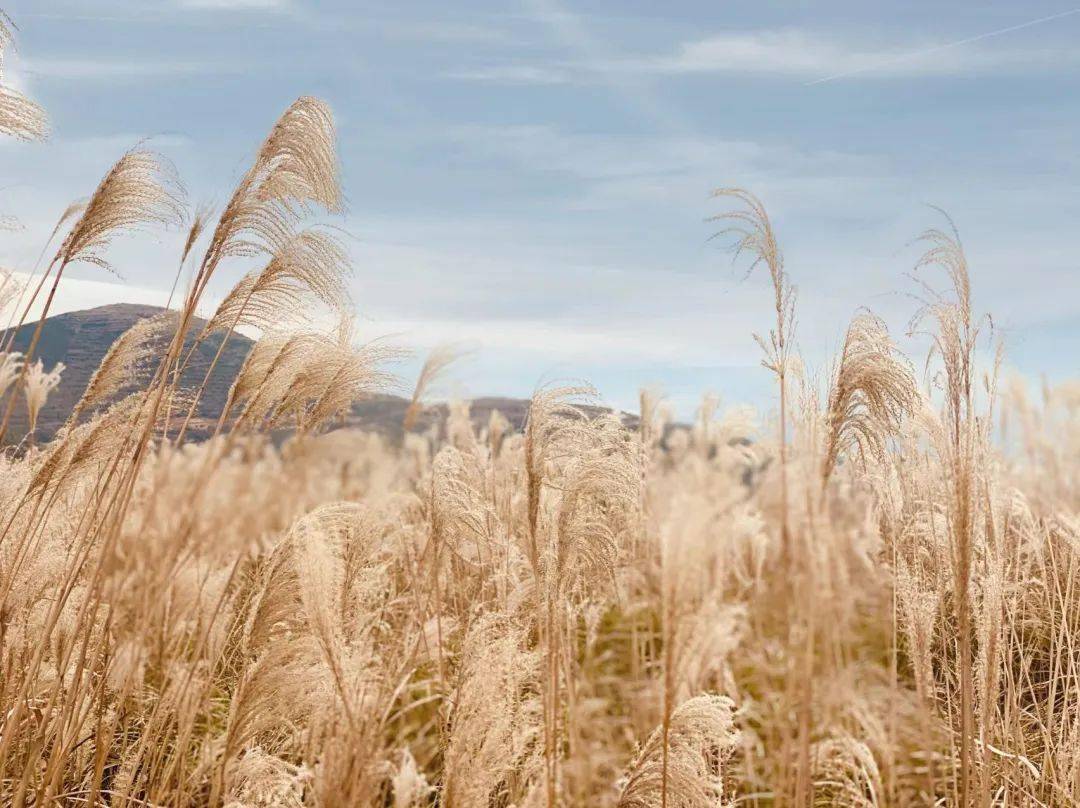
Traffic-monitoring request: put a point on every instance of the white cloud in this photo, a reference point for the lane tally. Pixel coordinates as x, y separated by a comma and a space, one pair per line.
76, 294
779, 52
518, 74
120, 69
806, 55
621, 171
792, 53
545, 338
550, 339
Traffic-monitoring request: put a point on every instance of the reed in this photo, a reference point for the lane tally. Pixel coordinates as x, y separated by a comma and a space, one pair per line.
874, 604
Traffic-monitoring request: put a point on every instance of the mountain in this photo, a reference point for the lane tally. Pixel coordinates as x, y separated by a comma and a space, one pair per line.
80, 339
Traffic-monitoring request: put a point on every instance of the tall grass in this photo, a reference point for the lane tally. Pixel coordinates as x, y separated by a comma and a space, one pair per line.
874, 603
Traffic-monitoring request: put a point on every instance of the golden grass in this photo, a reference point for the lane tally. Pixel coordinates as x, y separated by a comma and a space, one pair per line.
589, 613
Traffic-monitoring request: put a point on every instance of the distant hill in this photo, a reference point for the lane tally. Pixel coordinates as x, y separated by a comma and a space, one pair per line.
384, 414
80, 339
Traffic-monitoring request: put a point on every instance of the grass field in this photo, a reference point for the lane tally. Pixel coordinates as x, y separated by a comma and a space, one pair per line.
870, 602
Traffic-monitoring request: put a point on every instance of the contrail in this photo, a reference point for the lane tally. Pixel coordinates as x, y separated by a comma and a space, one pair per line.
916, 54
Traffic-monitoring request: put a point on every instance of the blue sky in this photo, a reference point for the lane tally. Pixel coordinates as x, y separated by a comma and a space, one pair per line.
531, 177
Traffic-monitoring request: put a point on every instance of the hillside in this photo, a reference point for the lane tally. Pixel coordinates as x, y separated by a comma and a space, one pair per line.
80, 339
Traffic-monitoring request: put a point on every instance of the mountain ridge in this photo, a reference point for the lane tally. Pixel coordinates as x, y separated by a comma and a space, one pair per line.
81, 338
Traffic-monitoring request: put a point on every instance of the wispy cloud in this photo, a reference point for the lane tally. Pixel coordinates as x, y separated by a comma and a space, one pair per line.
604, 171
574, 34
75, 294
120, 70
787, 52
912, 56
803, 54
798, 54
517, 74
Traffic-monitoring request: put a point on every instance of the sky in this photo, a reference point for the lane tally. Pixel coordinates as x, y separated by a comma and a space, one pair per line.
531, 178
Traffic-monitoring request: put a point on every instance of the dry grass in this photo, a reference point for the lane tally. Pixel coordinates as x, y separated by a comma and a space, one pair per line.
580, 615
19, 116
